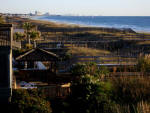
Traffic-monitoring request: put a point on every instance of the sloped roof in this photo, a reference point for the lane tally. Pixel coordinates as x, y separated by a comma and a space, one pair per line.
38, 55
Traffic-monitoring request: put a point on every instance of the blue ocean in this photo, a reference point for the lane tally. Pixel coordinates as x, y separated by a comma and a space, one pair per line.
137, 23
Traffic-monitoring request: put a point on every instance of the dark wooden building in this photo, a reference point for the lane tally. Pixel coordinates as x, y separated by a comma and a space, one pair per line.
6, 31
28, 64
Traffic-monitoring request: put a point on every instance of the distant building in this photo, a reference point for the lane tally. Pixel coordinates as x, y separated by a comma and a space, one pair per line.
37, 13
31, 14
46, 14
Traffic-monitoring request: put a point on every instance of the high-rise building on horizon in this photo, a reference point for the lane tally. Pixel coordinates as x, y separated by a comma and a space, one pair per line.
47, 14
37, 13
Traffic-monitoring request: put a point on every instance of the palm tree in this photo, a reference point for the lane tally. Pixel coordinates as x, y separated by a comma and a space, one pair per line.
28, 27
18, 36
31, 32
34, 35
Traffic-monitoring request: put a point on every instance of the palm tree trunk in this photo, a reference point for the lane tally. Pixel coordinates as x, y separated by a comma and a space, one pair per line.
28, 37
29, 41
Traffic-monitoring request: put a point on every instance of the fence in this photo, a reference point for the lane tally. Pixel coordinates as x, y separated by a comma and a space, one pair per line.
56, 91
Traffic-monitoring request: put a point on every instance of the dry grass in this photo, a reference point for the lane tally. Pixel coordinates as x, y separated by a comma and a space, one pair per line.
116, 60
83, 51
142, 107
131, 89
52, 24
143, 43
131, 94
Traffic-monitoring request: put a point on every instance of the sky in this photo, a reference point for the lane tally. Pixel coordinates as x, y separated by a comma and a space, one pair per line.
78, 7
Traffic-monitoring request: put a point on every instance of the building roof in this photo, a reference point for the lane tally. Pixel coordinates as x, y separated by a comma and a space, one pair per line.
38, 55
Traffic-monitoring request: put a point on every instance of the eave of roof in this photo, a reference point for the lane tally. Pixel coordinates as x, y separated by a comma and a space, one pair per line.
54, 56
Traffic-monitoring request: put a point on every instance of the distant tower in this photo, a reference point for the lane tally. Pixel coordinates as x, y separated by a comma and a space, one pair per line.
6, 31
37, 13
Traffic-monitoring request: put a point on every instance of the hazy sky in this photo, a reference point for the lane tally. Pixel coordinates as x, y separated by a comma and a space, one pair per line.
81, 7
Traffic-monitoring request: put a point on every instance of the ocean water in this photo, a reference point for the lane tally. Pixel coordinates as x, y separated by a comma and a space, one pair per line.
137, 23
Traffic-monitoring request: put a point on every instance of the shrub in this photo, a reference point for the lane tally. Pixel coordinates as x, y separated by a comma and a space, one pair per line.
18, 36
29, 101
2, 20
144, 63
79, 69
28, 46
89, 68
89, 95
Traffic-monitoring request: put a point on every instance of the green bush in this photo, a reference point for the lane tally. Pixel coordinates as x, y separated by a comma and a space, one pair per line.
18, 36
29, 101
28, 46
2, 20
89, 95
89, 68
79, 69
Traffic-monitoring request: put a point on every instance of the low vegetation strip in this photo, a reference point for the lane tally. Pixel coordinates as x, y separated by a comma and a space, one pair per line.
82, 51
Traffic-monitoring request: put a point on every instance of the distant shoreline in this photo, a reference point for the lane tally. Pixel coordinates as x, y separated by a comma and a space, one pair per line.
61, 23
64, 22
69, 25
74, 25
